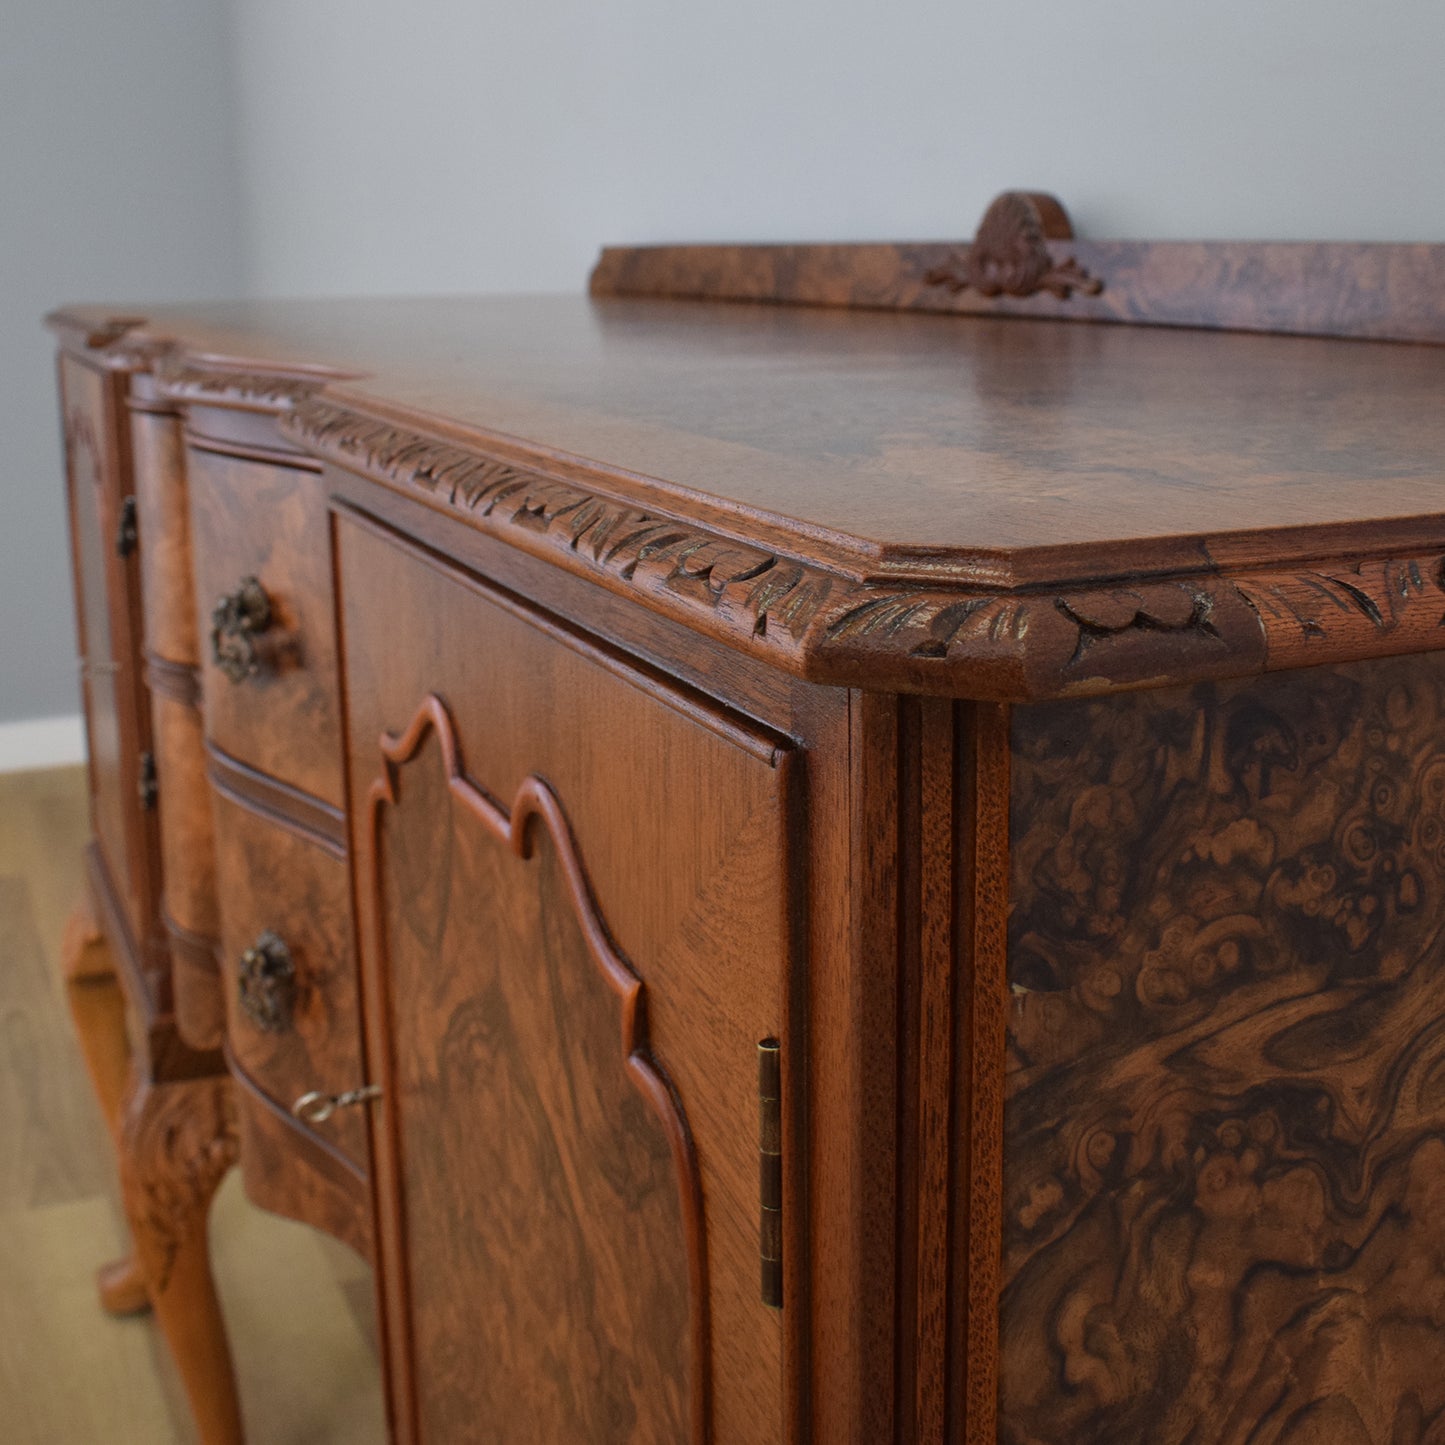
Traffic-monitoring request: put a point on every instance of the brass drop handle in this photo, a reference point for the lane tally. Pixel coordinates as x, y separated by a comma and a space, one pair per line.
317, 1108
237, 619
266, 984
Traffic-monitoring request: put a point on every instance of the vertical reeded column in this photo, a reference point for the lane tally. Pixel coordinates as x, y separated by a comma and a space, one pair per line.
172, 673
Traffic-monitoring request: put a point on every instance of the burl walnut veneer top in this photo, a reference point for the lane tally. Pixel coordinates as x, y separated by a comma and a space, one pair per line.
973, 505
995, 451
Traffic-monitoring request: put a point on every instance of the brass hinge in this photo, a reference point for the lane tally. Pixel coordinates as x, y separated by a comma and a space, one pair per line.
770, 1170
127, 534
146, 784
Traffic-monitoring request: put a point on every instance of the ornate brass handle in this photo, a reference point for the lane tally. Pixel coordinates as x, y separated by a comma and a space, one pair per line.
266, 984
317, 1108
237, 620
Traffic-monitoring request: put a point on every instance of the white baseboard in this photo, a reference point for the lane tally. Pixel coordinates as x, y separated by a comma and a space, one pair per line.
42, 742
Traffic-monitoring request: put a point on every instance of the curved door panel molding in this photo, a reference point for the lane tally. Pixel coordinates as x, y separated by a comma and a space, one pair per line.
554, 1260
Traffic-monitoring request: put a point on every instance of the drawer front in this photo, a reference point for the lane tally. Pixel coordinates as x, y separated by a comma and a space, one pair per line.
573, 890
274, 705
287, 967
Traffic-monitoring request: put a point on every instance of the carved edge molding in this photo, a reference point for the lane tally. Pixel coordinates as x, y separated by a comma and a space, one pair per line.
832, 628
183, 381
535, 799
123, 343
1010, 255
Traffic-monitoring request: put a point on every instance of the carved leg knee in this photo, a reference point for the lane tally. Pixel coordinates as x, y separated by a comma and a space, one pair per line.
177, 1141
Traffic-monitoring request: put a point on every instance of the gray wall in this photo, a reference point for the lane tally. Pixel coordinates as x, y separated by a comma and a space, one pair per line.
466, 145
451, 145
117, 183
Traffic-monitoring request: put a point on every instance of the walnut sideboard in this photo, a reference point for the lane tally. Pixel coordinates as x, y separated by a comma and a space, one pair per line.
830, 843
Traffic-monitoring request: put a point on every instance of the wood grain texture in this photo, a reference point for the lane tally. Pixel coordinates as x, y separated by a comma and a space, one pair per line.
1222, 1131
863, 1309
929, 835
251, 519
289, 807
698, 901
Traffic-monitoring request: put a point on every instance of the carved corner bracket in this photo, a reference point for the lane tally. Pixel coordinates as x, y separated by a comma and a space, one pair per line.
1010, 255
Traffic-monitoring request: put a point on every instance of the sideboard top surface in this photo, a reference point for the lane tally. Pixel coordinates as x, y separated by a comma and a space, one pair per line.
996, 451
967, 505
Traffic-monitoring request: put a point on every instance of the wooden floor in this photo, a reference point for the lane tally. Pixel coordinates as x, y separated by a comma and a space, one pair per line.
297, 1304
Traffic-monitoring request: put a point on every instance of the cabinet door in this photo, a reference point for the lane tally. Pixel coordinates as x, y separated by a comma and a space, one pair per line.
573, 894
108, 606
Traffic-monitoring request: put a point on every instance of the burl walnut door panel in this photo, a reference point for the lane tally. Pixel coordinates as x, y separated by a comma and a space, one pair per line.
1224, 1164
573, 896
108, 606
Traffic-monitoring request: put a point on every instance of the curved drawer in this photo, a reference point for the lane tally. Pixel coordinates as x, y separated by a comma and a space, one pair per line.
263, 604
292, 1020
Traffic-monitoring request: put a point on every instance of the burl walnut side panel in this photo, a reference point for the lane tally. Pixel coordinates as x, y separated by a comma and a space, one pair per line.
1224, 1206
108, 612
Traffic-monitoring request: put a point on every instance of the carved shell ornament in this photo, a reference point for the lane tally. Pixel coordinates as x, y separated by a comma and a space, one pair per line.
1010, 255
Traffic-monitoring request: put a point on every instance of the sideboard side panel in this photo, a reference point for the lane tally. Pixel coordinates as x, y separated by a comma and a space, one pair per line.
1224, 1167
109, 611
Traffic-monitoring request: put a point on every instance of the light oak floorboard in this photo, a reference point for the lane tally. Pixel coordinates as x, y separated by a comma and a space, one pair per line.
298, 1305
